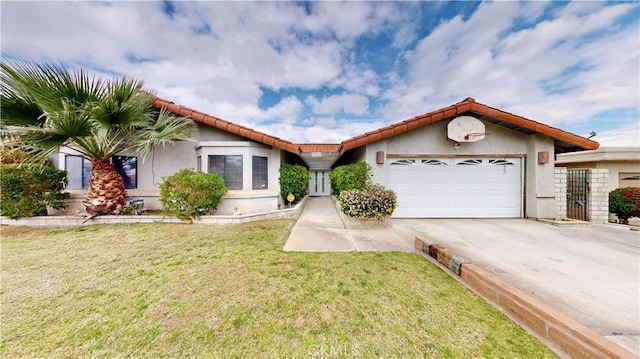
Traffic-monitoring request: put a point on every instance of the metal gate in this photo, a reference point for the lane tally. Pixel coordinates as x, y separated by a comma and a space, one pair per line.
578, 194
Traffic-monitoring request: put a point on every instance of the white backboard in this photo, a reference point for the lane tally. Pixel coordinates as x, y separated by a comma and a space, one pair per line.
466, 129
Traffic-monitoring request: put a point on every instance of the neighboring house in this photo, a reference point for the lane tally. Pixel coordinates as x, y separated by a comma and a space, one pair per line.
489, 163
623, 164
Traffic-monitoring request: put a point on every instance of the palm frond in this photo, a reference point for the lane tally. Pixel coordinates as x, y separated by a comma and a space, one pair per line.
166, 129
45, 105
124, 105
18, 106
74, 120
102, 144
36, 140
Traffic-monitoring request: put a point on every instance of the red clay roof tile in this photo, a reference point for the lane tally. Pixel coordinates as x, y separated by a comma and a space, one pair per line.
320, 147
467, 105
225, 125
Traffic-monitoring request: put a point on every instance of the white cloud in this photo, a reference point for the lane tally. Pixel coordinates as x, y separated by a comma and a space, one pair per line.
288, 110
628, 136
321, 130
348, 103
315, 57
480, 58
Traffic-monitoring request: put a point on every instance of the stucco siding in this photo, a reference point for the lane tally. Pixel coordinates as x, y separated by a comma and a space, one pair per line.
540, 183
433, 139
208, 133
164, 161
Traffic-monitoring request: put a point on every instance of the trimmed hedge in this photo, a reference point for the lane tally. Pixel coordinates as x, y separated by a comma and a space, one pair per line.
625, 203
351, 176
28, 189
374, 202
294, 179
188, 194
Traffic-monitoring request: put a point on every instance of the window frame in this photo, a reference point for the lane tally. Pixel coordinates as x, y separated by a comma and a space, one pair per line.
226, 159
256, 183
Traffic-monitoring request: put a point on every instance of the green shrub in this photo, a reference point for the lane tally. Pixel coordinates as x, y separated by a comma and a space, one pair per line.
27, 190
294, 179
188, 194
625, 203
372, 202
351, 176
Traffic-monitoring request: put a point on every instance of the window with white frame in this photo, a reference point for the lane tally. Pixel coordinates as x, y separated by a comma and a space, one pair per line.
260, 174
229, 167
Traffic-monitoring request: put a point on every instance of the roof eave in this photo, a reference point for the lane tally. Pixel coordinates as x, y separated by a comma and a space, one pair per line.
227, 126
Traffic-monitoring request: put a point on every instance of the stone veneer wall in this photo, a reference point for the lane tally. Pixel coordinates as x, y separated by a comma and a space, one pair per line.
599, 195
560, 189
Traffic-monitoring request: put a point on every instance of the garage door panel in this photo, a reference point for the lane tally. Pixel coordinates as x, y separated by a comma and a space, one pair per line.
457, 188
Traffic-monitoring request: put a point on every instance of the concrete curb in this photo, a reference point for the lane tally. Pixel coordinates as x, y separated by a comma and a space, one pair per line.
66, 221
567, 334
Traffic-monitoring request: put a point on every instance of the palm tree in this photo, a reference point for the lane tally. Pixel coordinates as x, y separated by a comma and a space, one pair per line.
46, 107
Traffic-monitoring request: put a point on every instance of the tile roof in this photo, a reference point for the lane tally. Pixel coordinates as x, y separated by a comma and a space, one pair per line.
226, 125
320, 147
466, 106
469, 105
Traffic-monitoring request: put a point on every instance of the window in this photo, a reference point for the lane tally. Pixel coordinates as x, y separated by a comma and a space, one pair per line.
78, 172
229, 168
260, 172
127, 168
199, 164
403, 162
501, 162
434, 163
469, 162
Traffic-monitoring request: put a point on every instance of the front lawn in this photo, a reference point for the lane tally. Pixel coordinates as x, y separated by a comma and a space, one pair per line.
177, 290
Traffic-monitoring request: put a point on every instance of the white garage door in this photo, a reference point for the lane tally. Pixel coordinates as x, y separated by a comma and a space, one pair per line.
456, 187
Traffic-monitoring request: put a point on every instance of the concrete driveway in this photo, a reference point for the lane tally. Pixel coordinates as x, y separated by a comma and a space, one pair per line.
591, 274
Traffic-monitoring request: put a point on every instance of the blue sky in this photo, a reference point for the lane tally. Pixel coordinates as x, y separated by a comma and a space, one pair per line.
327, 71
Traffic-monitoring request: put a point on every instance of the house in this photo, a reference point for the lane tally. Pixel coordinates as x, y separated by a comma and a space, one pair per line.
465, 160
621, 163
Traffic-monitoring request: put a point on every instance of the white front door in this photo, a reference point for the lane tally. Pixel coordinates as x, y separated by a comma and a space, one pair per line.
319, 183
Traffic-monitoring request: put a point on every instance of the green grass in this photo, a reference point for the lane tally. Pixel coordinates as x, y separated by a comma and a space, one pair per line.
176, 290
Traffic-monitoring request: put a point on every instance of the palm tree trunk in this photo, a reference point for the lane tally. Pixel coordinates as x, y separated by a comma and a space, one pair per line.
106, 189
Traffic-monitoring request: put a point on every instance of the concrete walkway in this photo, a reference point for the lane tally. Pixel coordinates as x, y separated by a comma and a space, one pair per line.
319, 229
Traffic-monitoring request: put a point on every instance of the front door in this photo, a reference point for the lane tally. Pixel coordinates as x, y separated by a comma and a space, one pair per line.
319, 183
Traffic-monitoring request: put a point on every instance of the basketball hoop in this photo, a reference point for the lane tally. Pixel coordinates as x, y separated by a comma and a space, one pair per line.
465, 129
468, 136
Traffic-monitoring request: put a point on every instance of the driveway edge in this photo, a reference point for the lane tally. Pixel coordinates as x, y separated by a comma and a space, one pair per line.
567, 334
